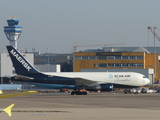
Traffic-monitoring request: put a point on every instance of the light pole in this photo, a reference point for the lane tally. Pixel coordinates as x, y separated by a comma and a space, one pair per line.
154, 56
47, 58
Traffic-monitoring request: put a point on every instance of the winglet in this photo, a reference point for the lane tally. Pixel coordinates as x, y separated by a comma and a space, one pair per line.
8, 110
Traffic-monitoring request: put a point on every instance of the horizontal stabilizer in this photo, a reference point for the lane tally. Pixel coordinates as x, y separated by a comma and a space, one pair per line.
17, 77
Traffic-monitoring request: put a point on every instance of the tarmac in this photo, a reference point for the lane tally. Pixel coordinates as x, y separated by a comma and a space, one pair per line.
94, 106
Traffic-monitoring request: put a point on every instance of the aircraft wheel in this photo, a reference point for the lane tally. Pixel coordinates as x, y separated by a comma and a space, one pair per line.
78, 93
72, 93
84, 93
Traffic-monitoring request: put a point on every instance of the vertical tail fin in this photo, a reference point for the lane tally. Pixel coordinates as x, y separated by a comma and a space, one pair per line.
8, 110
21, 65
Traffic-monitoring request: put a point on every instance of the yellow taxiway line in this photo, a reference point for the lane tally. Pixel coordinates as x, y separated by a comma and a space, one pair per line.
17, 94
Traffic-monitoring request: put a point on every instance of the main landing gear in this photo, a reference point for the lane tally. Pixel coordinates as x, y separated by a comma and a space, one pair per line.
79, 92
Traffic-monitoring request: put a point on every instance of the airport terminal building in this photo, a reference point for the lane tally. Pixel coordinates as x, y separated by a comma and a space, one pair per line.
116, 59
53, 62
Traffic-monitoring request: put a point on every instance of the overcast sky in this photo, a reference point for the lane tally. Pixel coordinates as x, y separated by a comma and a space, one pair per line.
57, 25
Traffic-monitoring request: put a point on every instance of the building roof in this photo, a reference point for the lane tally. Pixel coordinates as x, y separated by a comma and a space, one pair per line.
126, 49
141, 49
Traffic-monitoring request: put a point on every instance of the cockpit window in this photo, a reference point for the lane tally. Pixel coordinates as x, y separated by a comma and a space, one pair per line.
144, 77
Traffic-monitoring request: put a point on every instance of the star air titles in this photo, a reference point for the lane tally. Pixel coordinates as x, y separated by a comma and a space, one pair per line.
122, 76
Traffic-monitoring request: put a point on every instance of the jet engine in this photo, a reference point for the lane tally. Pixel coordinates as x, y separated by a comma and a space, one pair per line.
102, 87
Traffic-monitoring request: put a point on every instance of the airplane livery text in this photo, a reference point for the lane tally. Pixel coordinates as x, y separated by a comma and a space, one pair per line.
118, 76
20, 60
121, 75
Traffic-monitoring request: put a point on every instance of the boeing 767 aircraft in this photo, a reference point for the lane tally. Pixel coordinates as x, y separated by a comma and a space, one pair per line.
72, 80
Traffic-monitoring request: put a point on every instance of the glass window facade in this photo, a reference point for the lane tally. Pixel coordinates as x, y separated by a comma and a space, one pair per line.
91, 57
125, 64
102, 57
78, 58
109, 57
102, 65
84, 57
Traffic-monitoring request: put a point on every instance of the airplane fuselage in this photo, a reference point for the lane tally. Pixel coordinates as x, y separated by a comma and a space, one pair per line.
68, 78
125, 78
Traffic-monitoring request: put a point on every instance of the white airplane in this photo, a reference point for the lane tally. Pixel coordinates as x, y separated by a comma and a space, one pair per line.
73, 80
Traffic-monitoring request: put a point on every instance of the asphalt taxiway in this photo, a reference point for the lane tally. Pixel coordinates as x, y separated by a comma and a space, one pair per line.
94, 106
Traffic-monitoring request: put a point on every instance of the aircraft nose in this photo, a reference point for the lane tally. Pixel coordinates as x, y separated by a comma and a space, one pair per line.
147, 81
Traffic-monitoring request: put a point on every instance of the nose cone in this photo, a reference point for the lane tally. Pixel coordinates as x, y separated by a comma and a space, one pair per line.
147, 81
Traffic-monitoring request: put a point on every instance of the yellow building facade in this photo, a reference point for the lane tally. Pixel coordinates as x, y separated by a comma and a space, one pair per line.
116, 60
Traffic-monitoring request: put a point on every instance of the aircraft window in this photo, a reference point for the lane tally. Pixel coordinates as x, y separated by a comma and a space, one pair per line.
144, 77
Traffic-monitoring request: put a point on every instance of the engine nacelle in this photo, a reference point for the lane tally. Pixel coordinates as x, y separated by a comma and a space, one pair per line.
102, 87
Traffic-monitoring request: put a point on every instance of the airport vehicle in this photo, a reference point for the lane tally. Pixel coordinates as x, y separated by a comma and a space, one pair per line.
149, 90
132, 90
73, 80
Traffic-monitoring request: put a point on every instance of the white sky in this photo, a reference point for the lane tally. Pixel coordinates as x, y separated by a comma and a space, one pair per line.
56, 25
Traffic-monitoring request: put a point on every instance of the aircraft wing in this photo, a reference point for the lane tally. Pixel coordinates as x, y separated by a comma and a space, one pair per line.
85, 82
